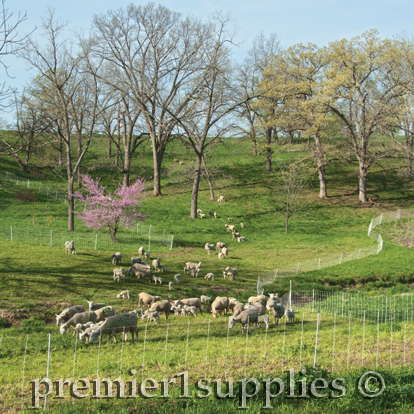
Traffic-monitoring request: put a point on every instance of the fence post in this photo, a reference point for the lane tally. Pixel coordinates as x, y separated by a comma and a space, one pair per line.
319, 263
137, 228
96, 240
276, 272
340, 259
28, 183
163, 235
381, 219
11, 233
290, 296
297, 270
398, 214
56, 195
51, 238
359, 253
172, 239
313, 299
149, 238
7, 173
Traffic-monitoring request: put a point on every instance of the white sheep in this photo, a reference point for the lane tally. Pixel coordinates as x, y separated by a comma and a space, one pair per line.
70, 247
156, 264
199, 211
236, 235
215, 215
209, 247
177, 278
151, 315
220, 245
229, 219
157, 279
209, 276
162, 268
221, 199
189, 310
192, 265
141, 252
205, 299
225, 251
136, 260
170, 286
116, 258
119, 274
202, 215
230, 227
124, 294
220, 255
241, 239
242, 225
290, 314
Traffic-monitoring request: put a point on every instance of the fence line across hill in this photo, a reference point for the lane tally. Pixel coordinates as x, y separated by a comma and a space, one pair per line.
322, 262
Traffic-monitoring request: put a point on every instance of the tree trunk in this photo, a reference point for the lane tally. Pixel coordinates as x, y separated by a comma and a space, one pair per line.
319, 156
276, 138
79, 154
210, 184
268, 149
196, 183
290, 137
322, 182
362, 183
157, 158
28, 152
71, 205
126, 137
109, 147
127, 169
118, 137
60, 160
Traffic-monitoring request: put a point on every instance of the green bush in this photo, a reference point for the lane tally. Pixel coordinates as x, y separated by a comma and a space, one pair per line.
33, 325
3, 323
26, 194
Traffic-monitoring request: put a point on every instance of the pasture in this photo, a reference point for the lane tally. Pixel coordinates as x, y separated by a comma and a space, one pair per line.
38, 281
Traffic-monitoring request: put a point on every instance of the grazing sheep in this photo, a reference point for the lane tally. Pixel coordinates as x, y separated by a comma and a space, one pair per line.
259, 299
192, 265
70, 247
199, 211
211, 214
116, 258
144, 299
103, 313
209, 247
82, 317
181, 162
121, 323
205, 299
225, 251
230, 227
162, 306
119, 274
175, 310
242, 225
95, 306
156, 264
241, 239
221, 255
177, 278
209, 276
261, 310
229, 219
140, 270
220, 199
228, 275
136, 260
220, 245
190, 302
219, 305
265, 319
235, 235
189, 310
124, 294
138, 312
246, 318
238, 308
202, 215
157, 279
88, 331
231, 272
175, 160
290, 314
81, 327
67, 313
141, 252
170, 286
151, 315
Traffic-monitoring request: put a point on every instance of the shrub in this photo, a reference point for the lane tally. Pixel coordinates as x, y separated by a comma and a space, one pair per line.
3, 323
26, 194
33, 325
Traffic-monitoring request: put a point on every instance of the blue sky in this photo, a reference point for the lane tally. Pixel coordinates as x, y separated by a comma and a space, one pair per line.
297, 21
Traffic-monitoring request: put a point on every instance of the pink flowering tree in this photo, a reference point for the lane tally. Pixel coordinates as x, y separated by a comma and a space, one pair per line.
111, 211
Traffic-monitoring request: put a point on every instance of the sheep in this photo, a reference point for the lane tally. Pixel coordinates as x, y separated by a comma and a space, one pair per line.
219, 305
119, 274
156, 264
209, 276
290, 314
157, 279
225, 251
123, 322
192, 265
190, 302
82, 317
199, 211
70, 247
88, 331
116, 258
181, 162
151, 315
175, 160
138, 312
235, 235
67, 313
215, 215
238, 308
231, 272
258, 306
265, 319
177, 278
81, 327
228, 275
162, 268
195, 272
162, 306
147, 255
136, 260
220, 255
259, 299
124, 294
220, 199
241, 239
205, 299
189, 310
246, 318
170, 286
230, 227
140, 270
202, 215
211, 214
242, 225
209, 247
141, 252
229, 219
144, 299
95, 306
278, 311
176, 310
220, 245
103, 313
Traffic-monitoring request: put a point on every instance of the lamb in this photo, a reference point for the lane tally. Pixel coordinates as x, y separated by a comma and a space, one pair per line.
229, 219
162, 268
194, 272
81, 327
246, 318
136, 260
220, 245
278, 311
103, 313
220, 199
156, 264
258, 306
192, 265
141, 252
82, 317
139, 312
209, 276
116, 258
123, 322
231, 272
162, 306
225, 251
190, 302
67, 313
140, 270
219, 305
119, 274
205, 299
232, 302
151, 315
211, 214
199, 211
235, 235
181, 162
170, 286
215, 215
202, 215
124, 294
144, 299
175, 160
238, 309
176, 310
209, 247
88, 331
95, 306
189, 310
259, 299
147, 255
230, 227
241, 239
157, 279
242, 225
220, 255
290, 314
228, 275
177, 278
70, 247
265, 319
